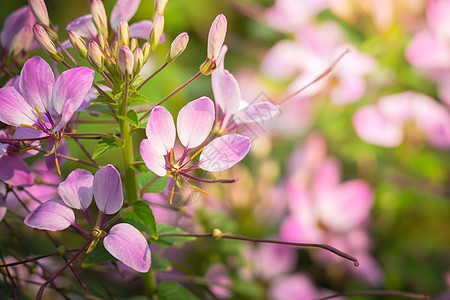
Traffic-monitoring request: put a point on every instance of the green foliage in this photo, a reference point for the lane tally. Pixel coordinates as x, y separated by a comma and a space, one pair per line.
98, 256
158, 184
173, 291
166, 241
104, 145
142, 218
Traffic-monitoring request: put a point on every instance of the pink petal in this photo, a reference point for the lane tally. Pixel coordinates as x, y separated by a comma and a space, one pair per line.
15, 109
293, 287
52, 215
3, 149
108, 190
84, 26
216, 36
226, 90
372, 127
326, 178
36, 83
71, 88
396, 107
348, 90
15, 172
123, 10
224, 152
195, 121
128, 245
256, 113
424, 51
76, 191
347, 206
14, 24
161, 130
152, 158
437, 17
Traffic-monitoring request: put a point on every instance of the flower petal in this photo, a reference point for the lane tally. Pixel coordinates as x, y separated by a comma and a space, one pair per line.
195, 121
36, 83
15, 172
15, 109
108, 190
152, 158
256, 113
72, 84
123, 10
84, 26
128, 245
226, 90
161, 130
224, 152
77, 191
51, 215
14, 24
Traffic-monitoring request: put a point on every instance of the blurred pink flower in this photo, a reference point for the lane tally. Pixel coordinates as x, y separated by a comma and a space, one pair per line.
293, 287
220, 274
383, 123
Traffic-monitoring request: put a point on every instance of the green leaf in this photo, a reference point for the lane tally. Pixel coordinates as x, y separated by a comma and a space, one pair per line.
98, 256
158, 185
104, 145
160, 264
103, 108
103, 99
166, 241
142, 218
131, 118
137, 98
174, 291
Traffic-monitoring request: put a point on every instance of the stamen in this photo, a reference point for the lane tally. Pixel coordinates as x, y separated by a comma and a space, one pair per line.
57, 164
40, 116
171, 155
171, 194
59, 120
29, 126
198, 152
200, 190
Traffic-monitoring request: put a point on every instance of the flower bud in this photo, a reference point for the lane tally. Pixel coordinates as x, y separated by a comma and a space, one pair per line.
216, 38
78, 43
160, 6
40, 12
22, 42
44, 41
156, 32
146, 51
133, 44
138, 60
125, 60
95, 56
99, 16
102, 42
123, 33
177, 47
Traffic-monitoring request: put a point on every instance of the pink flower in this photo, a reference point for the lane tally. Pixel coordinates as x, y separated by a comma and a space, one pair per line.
123, 241
194, 123
17, 34
382, 123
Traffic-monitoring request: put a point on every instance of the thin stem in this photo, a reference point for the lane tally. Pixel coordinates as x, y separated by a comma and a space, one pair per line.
94, 121
171, 94
151, 76
149, 283
386, 293
210, 180
41, 290
60, 45
83, 148
93, 134
13, 283
70, 158
322, 75
142, 191
35, 258
308, 245
66, 64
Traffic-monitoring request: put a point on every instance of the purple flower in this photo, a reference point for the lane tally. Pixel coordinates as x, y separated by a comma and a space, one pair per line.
194, 123
17, 34
123, 241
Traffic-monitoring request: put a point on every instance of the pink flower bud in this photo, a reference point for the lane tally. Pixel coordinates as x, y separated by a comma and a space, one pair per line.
125, 60
133, 44
138, 60
102, 42
99, 16
146, 51
123, 33
157, 31
216, 36
177, 47
160, 6
40, 12
78, 43
95, 56
44, 41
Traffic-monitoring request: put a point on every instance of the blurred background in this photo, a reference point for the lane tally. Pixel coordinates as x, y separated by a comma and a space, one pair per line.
360, 160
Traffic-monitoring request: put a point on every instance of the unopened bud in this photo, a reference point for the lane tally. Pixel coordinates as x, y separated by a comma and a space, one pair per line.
22, 42
216, 36
133, 44
78, 43
102, 42
177, 47
160, 6
99, 16
40, 12
217, 234
125, 60
146, 51
156, 32
138, 60
123, 33
44, 41
95, 56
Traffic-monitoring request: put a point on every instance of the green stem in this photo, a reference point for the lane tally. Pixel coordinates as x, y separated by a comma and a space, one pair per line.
149, 283
129, 179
